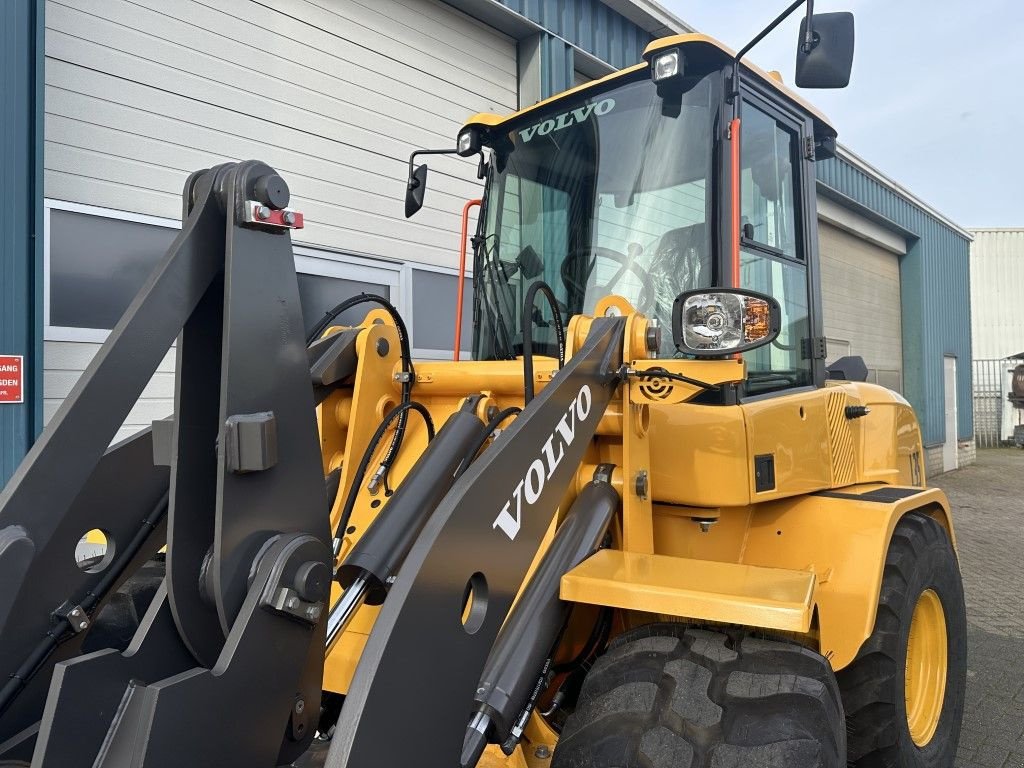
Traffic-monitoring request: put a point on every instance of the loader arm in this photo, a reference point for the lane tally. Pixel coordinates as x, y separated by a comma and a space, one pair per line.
439, 622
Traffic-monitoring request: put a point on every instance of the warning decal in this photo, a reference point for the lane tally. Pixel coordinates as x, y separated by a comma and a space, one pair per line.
12, 378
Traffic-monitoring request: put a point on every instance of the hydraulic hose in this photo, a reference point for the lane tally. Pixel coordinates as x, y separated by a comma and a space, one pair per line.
527, 328
369, 568
364, 463
57, 633
492, 425
407, 369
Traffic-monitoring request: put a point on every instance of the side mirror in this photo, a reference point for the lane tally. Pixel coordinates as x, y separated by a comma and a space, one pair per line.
415, 190
529, 263
715, 322
825, 58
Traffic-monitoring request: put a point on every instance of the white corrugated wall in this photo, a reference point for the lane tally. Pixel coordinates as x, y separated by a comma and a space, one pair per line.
997, 293
334, 94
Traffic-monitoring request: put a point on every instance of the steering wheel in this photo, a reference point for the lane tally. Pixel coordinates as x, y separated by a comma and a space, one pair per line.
576, 282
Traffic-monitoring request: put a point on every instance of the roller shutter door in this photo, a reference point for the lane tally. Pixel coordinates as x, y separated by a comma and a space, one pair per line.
860, 286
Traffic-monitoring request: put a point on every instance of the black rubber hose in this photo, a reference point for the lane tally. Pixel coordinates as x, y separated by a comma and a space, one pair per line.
492, 425
406, 353
371, 447
527, 327
59, 632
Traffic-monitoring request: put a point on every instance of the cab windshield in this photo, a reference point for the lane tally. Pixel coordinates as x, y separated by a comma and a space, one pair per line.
609, 194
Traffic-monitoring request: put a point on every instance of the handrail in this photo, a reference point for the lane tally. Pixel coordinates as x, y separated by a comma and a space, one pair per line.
462, 274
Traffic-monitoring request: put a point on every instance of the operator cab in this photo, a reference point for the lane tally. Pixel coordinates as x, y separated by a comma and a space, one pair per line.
690, 171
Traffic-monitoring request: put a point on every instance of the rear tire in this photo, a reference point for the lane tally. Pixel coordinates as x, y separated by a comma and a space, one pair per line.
919, 567
669, 696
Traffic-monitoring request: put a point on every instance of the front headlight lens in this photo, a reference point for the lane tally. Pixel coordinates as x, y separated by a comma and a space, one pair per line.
722, 322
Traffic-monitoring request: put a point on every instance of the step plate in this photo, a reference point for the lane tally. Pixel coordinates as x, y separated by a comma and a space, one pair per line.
773, 598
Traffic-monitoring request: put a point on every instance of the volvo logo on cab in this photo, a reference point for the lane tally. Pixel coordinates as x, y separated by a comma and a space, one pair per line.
531, 486
564, 120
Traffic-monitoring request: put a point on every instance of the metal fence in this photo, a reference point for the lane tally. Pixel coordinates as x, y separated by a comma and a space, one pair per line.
993, 413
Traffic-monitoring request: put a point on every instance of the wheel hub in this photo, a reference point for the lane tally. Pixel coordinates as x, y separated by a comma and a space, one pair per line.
927, 665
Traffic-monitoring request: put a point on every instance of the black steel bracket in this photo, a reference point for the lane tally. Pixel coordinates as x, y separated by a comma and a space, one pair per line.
245, 511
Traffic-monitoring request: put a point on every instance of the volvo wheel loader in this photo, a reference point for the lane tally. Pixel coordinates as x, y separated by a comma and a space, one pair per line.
645, 526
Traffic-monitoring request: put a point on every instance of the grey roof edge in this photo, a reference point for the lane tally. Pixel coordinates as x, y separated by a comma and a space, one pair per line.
651, 16
863, 165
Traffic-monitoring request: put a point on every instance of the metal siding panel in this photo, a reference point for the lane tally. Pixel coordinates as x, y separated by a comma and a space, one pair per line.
180, 77
20, 222
997, 287
335, 96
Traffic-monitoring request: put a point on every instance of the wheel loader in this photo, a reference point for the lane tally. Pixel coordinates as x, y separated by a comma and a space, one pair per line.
645, 525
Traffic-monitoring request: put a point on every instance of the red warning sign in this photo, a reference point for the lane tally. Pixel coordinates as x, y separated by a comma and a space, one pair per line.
12, 378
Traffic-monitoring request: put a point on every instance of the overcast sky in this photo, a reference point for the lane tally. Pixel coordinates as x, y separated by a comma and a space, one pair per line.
936, 101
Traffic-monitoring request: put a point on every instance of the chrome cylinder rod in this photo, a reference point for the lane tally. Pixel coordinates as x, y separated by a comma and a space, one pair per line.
343, 611
475, 741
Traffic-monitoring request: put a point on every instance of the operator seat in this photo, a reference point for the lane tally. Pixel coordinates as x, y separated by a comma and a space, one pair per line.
680, 262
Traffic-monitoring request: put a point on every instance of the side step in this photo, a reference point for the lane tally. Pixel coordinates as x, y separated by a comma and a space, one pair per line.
773, 598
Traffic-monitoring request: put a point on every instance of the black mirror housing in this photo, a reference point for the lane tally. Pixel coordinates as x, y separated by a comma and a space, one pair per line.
415, 190
830, 60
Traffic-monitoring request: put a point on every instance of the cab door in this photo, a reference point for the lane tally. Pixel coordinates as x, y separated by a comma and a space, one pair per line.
784, 408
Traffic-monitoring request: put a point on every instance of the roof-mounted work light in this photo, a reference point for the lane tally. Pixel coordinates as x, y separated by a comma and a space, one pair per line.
667, 65
469, 142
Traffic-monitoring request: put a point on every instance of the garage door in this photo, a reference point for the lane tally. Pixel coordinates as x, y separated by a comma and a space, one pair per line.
335, 95
860, 293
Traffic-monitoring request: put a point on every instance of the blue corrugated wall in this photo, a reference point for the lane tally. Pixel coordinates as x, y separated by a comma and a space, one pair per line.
589, 25
20, 220
935, 298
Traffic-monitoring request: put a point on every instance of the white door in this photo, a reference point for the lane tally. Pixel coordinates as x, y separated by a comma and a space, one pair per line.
949, 457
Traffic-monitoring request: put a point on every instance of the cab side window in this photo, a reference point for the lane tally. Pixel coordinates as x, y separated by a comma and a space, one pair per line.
771, 254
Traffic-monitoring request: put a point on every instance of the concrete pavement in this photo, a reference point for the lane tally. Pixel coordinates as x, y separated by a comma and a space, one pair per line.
988, 508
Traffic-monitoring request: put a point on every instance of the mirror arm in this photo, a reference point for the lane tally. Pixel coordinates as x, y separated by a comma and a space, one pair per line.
808, 44
413, 156
735, 88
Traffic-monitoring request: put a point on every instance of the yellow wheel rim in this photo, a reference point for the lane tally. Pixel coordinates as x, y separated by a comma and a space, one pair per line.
927, 665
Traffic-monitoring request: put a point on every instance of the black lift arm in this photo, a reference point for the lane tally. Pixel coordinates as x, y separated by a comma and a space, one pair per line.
226, 668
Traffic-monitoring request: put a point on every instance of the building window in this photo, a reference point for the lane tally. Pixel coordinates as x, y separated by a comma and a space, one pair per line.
433, 303
96, 261
95, 267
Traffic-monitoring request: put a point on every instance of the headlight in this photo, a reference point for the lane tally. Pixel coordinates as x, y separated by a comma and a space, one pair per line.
468, 142
667, 65
708, 323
